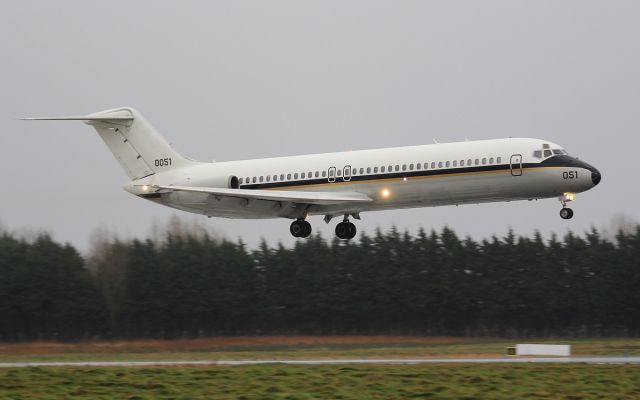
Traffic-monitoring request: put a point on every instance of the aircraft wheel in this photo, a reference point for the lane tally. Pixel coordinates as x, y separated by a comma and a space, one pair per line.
297, 228
300, 228
352, 230
307, 229
342, 230
566, 213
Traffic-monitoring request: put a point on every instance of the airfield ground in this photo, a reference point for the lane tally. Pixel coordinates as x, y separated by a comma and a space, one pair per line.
278, 381
297, 347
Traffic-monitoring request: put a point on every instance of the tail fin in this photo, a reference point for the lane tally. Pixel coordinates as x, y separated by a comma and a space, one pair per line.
139, 148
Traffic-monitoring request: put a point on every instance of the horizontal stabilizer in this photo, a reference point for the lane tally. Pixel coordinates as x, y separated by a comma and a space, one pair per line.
113, 116
86, 118
294, 196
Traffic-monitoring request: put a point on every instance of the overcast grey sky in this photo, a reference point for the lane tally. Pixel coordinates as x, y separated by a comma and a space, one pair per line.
251, 79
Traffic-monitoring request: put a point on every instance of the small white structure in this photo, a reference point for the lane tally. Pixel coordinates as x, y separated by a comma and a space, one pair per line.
543, 350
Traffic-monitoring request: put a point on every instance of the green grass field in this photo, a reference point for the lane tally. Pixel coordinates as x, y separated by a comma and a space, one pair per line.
445, 381
279, 381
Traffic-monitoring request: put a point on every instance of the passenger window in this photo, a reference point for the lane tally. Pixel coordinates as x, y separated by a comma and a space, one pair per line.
324, 173
288, 177
310, 174
447, 164
484, 160
368, 170
339, 172
375, 170
397, 167
477, 161
302, 176
382, 169
410, 167
275, 178
254, 179
317, 174
469, 162
440, 164
491, 160
295, 176
281, 177
240, 181
390, 168
433, 165
261, 178
404, 167
361, 171
418, 166
499, 160
462, 163
455, 163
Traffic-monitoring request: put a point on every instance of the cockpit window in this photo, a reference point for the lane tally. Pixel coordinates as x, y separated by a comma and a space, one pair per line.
548, 152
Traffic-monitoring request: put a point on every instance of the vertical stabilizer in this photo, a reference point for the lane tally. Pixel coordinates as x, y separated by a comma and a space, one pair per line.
134, 142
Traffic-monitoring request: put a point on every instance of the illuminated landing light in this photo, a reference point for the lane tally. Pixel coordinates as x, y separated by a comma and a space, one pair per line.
404, 179
385, 193
145, 188
569, 196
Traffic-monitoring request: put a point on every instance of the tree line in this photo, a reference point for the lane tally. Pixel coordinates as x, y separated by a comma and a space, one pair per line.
431, 283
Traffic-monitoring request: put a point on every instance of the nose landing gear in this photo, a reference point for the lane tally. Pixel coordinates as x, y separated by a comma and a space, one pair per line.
300, 228
566, 212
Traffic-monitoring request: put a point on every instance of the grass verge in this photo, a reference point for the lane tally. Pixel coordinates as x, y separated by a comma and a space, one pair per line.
444, 381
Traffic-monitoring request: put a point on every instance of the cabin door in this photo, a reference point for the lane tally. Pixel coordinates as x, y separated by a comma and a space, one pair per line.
516, 165
346, 173
331, 174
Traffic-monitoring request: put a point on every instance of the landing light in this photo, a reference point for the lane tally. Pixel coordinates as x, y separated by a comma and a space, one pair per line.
569, 196
145, 188
385, 193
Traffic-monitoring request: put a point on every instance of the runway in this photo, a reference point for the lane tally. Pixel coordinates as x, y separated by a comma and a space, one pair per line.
505, 360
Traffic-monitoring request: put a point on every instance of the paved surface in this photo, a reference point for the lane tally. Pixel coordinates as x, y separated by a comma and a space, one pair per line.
554, 360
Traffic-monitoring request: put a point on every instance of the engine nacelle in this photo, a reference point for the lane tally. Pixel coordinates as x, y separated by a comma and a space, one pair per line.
227, 182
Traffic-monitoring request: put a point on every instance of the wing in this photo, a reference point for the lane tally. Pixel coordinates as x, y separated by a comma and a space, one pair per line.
293, 196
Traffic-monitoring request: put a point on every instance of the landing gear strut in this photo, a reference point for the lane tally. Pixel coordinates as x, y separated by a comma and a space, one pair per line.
300, 228
345, 229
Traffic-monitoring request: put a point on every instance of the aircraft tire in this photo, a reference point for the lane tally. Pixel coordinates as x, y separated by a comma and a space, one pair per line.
352, 230
296, 228
566, 213
307, 229
342, 230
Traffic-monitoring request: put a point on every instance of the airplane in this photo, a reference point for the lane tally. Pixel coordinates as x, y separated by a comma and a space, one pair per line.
343, 184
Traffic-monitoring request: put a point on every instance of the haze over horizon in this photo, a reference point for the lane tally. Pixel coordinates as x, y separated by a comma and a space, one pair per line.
242, 80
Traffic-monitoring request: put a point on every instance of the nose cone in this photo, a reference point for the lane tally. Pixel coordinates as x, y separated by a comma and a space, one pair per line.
595, 176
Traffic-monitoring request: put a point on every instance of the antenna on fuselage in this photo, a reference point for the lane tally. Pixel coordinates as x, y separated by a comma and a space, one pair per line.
435, 141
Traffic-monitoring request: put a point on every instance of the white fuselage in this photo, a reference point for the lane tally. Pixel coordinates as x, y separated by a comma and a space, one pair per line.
402, 177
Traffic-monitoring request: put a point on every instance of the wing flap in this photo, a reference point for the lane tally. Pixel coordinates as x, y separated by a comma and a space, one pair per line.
294, 196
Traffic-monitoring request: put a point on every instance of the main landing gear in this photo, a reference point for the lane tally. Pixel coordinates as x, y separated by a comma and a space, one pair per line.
346, 230
300, 228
